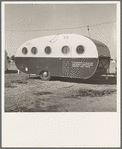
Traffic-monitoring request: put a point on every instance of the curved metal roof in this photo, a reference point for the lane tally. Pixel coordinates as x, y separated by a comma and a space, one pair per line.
103, 50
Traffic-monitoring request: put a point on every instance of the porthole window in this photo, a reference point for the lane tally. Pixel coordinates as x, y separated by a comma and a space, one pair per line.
34, 50
48, 50
80, 49
24, 50
65, 50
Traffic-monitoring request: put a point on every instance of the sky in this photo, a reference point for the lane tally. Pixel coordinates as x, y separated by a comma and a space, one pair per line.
28, 21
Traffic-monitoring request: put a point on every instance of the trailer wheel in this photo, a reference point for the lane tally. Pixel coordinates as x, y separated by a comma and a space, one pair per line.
45, 75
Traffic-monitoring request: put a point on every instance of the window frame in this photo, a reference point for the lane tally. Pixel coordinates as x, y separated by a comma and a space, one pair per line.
49, 48
26, 50
36, 50
82, 49
68, 50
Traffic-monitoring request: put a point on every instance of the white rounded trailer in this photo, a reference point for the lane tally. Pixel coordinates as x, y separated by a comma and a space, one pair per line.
64, 55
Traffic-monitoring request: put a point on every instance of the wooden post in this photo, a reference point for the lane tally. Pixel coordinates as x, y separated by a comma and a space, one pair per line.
18, 71
106, 77
108, 71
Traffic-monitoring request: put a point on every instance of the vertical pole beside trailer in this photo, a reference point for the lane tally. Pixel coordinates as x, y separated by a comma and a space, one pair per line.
6, 62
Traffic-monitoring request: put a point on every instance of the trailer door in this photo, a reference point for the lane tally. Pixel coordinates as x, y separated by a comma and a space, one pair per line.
67, 61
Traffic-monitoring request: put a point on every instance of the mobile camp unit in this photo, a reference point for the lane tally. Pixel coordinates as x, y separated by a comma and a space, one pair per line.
6, 61
64, 55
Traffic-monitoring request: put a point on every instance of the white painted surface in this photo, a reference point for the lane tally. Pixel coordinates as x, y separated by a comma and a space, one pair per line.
56, 42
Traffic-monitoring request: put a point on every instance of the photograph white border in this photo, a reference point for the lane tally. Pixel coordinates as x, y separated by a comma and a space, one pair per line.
72, 129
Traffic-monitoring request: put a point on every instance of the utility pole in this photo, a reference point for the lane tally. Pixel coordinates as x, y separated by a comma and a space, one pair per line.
88, 30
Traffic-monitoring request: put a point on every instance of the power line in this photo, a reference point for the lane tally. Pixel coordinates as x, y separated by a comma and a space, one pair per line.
64, 28
102, 23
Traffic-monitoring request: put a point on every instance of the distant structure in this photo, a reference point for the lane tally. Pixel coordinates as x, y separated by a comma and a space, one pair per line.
113, 66
63, 55
6, 61
13, 57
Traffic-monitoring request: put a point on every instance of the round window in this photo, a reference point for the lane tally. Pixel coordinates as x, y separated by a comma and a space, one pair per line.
80, 49
48, 50
34, 50
24, 50
65, 50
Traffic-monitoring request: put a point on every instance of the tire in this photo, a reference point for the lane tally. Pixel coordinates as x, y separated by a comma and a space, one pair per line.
45, 75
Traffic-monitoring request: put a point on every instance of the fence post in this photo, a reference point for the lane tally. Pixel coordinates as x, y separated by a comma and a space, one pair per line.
108, 71
18, 71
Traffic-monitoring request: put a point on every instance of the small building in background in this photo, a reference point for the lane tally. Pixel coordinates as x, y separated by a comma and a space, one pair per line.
113, 66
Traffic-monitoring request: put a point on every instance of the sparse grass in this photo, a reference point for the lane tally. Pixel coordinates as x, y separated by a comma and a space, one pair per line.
9, 85
92, 93
24, 109
42, 93
36, 108
19, 81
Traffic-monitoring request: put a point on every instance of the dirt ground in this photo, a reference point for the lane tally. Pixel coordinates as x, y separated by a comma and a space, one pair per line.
24, 94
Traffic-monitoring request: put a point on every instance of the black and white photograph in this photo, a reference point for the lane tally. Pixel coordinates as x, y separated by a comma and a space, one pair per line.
60, 58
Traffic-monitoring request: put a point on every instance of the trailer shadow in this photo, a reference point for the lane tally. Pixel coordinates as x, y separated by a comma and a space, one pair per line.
97, 80
11, 71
